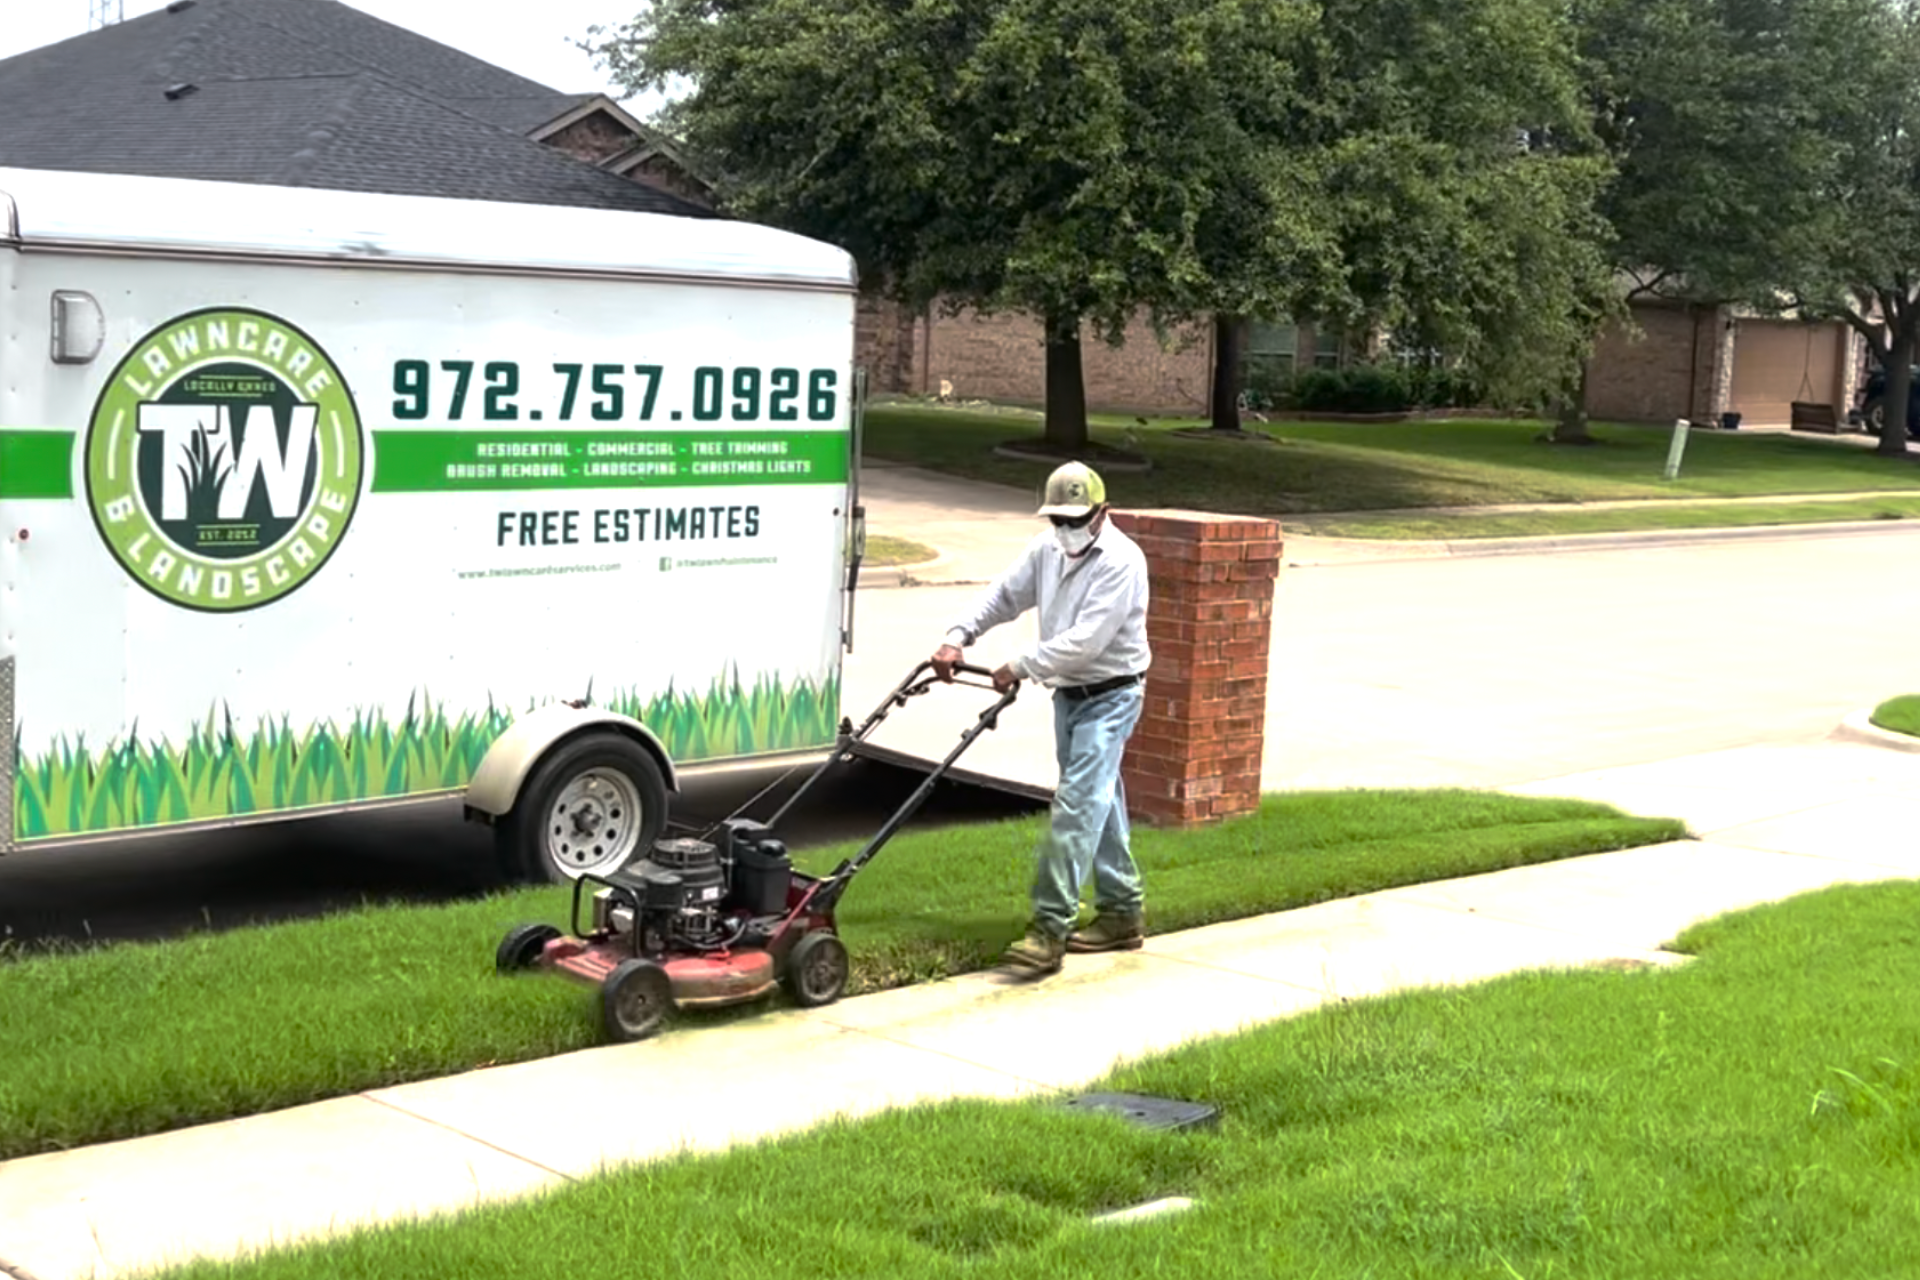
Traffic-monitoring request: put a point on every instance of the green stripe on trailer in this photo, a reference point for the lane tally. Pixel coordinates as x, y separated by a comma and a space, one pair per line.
481, 461
36, 464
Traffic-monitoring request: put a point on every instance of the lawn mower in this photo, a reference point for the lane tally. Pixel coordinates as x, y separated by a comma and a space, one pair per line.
723, 917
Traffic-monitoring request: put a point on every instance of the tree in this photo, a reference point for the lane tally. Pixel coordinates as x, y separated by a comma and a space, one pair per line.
1063, 158
1435, 134
1463, 182
1707, 110
1856, 237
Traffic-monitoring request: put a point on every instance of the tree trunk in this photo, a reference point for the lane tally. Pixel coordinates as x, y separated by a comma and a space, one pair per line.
1571, 427
1893, 434
1066, 386
1226, 373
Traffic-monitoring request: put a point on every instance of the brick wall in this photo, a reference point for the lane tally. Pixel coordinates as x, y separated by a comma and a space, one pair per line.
1670, 369
1197, 753
884, 344
1002, 358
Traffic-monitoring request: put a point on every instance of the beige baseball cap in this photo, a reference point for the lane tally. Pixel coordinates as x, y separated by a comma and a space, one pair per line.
1073, 491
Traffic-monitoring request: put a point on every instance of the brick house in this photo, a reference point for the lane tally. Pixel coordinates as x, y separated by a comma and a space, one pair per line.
315, 93
1671, 362
1002, 358
1702, 362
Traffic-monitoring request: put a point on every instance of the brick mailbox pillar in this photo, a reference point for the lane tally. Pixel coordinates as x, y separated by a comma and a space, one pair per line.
1195, 757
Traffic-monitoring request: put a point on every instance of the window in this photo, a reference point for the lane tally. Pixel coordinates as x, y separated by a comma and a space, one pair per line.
1272, 349
1327, 349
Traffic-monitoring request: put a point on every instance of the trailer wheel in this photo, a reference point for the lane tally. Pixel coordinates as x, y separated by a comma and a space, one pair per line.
817, 970
522, 946
635, 1000
591, 806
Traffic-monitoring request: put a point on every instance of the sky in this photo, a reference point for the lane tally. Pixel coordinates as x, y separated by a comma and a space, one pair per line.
530, 37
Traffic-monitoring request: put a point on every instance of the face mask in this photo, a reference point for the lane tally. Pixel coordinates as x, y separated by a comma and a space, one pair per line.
1074, 542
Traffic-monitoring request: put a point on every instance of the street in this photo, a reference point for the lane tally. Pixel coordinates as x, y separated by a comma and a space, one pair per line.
1504, 670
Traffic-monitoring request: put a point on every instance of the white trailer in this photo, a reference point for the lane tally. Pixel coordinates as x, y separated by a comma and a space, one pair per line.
314, 501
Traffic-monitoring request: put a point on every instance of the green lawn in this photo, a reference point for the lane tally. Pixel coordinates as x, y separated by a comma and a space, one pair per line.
1752, 1115
888, 553
1899, 715
140, 1038
1373, 467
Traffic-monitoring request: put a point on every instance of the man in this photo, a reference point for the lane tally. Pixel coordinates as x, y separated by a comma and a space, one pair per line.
1089, 582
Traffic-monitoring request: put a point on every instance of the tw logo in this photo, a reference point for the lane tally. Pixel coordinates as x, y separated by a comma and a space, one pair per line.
200, 456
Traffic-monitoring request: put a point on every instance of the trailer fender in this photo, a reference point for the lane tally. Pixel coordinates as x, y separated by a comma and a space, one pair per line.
495, 785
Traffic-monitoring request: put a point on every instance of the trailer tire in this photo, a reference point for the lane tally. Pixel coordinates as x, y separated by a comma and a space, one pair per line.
593, 804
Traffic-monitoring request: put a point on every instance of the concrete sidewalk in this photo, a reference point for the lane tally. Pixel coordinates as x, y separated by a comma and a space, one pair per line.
1772, 822
977, 529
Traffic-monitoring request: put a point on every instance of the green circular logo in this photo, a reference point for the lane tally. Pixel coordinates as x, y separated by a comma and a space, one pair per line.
224, 460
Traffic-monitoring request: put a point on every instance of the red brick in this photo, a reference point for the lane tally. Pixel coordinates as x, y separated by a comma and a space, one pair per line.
1254, 571
1175, 767
1164, 553
1262, 549
1218, 552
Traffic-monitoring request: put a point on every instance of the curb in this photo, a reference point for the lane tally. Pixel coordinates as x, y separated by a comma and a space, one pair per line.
900, 577
1479, 548
1859, 727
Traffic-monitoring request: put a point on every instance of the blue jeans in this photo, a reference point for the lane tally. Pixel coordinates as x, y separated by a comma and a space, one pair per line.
1089, 831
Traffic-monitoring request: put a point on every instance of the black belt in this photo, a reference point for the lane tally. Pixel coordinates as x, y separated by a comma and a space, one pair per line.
1081, 693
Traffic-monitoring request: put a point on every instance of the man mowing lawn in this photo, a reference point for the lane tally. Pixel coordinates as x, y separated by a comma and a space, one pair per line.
1089, 582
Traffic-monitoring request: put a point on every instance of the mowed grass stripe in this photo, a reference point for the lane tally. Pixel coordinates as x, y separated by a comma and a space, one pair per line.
137, 1038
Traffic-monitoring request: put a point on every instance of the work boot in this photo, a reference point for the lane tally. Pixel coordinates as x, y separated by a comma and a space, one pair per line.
1037, 954
1110, 931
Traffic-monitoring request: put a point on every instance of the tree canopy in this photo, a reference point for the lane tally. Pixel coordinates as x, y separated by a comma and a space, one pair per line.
1408, 164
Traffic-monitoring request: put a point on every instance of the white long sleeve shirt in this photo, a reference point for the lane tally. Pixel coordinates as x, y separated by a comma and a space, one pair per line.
1093, 611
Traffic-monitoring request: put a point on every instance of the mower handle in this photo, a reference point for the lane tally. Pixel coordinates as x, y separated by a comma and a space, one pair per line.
917, 683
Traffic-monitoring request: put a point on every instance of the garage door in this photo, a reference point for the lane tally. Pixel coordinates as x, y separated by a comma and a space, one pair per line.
1776, 362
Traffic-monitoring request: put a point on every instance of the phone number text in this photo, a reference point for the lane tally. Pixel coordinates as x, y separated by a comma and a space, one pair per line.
612, 393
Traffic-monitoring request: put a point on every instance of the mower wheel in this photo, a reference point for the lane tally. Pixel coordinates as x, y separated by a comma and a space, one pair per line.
817, 970
635, 1000
522, 946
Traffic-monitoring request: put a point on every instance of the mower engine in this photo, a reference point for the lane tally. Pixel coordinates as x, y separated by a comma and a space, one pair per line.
696, 896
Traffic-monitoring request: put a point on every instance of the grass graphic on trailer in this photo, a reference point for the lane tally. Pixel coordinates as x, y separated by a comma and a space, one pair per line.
221, 771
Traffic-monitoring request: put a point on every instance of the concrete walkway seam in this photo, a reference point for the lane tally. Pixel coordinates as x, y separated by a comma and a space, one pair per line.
495, 1147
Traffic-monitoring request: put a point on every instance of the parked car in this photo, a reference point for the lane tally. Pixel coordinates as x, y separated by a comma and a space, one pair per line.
1872, 411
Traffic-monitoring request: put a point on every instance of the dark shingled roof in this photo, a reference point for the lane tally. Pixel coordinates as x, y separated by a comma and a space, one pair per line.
298, 93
